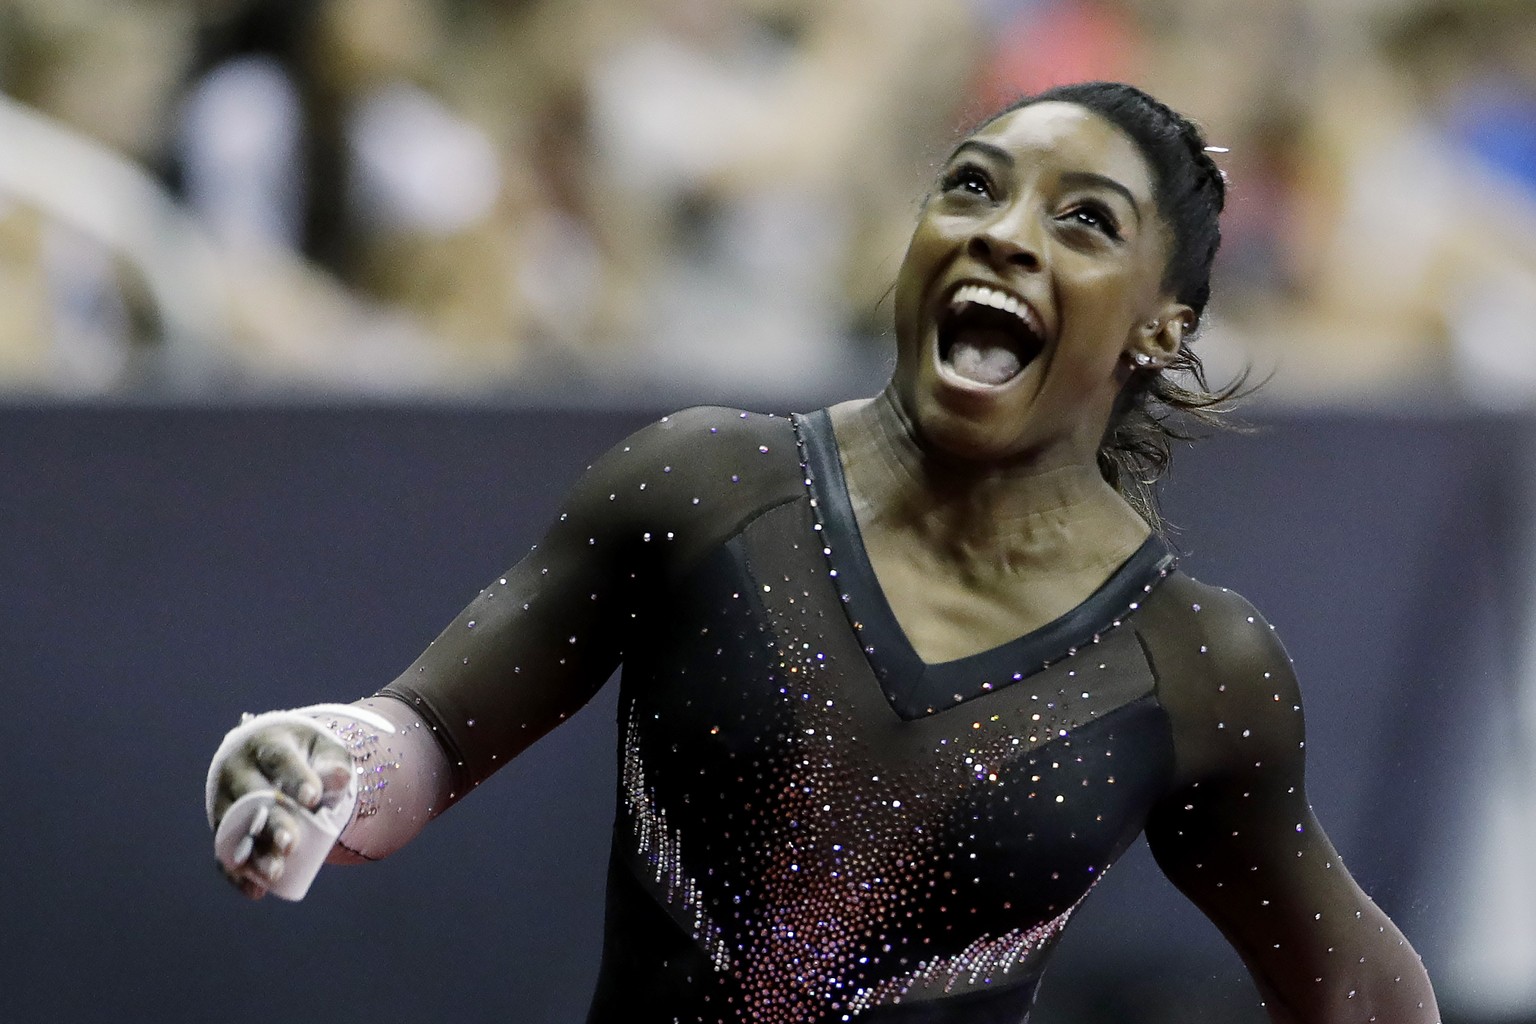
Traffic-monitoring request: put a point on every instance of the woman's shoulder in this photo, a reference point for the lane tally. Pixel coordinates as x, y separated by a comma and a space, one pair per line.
1223, 676
730, 453
690, 476
1213, 626
702, 434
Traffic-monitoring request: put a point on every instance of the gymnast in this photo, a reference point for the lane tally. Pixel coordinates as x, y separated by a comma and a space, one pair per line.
902, 677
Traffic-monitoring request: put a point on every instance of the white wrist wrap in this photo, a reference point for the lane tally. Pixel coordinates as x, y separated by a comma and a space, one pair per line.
318, 828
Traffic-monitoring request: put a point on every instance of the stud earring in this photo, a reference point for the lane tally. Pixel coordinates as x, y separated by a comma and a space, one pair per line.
1142, 360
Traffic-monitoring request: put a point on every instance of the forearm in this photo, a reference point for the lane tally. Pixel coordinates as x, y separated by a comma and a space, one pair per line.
403, 782
1384, 982
1370, 974
1401, 999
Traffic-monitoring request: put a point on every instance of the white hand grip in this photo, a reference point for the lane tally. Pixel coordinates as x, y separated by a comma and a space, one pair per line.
318, 829
317, 832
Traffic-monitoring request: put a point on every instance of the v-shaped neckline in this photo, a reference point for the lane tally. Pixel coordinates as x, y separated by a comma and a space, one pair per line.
915, 687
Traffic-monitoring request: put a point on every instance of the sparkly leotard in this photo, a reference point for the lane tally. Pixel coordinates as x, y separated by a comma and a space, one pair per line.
813, 824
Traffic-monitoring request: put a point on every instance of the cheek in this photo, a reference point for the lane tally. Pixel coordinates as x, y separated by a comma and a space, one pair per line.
1101, 308
917, 269
904, 299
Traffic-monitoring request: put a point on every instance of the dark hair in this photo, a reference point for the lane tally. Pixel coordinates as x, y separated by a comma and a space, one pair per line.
1190, 192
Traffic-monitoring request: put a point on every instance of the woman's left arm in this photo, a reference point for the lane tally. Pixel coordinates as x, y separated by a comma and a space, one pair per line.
1238, 836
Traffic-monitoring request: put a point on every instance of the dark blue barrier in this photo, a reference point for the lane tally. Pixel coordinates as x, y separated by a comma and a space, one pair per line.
162, 570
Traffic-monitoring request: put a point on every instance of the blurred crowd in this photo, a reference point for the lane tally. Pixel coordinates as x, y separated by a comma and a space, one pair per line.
579, 196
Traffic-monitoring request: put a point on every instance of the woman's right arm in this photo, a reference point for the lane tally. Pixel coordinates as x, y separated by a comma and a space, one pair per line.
531, 649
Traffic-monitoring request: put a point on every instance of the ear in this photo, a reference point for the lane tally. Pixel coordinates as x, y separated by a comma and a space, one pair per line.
1156, 342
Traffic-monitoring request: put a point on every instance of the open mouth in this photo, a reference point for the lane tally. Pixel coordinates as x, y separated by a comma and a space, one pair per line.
988, 336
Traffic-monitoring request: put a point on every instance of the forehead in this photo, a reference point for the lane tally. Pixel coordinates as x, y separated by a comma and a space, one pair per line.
1071, 138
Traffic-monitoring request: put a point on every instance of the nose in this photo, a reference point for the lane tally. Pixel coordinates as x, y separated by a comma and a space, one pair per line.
1007, 242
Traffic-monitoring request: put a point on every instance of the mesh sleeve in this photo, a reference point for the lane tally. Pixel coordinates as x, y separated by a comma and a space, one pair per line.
1238, 836
540, 640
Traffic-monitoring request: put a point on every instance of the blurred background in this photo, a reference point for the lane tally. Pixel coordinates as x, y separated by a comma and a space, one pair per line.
296, 296
539, 197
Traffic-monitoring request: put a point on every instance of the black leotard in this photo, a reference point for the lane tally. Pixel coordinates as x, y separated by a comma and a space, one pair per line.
813, 824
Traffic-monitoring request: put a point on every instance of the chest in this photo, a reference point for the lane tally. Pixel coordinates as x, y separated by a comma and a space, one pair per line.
949, 611
774, 791
842, 817
766, 671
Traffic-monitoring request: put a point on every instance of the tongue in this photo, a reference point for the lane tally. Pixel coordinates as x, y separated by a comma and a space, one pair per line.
984, 356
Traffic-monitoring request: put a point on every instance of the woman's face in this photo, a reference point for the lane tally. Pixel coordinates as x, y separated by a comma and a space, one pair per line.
1034, 273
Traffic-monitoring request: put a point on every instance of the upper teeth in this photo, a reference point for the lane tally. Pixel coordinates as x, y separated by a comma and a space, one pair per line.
997, 300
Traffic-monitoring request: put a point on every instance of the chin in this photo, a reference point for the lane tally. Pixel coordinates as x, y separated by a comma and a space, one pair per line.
970, 432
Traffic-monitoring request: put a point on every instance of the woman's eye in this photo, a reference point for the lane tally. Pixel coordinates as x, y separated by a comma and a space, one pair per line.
1096, 218
968, 179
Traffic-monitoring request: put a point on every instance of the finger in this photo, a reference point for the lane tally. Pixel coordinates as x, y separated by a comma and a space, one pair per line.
237, 778
242, 852
278, 834
247, 887
258, 821
283, 841
271, 845
280, 760
268, 868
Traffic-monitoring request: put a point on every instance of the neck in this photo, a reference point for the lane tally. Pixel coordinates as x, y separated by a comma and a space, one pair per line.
1018, 516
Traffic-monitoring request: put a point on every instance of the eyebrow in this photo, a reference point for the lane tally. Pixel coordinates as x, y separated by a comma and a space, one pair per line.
1103, 181
1072, 178
997, 153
